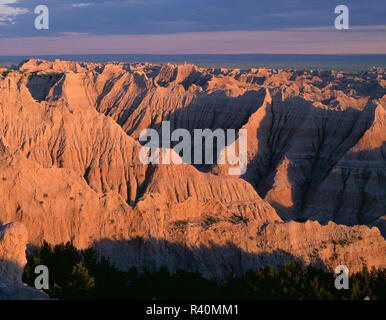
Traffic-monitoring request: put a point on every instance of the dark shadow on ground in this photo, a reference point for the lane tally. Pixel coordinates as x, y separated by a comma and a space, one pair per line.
212, 260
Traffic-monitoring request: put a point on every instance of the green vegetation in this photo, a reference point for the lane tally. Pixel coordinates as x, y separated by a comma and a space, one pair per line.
84, 275
181, 223
235, 219
53, 73
208, 222
301, 220
80, 282
4, 73
77, 274
341, 242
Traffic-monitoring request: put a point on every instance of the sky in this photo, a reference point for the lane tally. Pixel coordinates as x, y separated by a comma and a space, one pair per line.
192, 27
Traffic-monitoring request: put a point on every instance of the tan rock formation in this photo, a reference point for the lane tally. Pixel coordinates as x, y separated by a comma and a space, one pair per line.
70, 169
13, 242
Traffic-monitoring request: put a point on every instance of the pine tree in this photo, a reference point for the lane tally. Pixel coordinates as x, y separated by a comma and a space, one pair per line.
80, 282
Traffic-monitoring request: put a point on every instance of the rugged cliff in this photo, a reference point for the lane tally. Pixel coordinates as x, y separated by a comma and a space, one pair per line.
13, 242
70, 169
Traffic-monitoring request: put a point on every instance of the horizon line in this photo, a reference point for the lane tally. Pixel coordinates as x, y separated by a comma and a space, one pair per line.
196, 54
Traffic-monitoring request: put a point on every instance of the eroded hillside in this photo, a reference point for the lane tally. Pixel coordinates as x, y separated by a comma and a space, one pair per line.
70, 169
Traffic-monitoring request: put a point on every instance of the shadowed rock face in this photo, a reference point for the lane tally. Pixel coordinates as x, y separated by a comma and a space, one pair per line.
70, 169
247, 246
13, 242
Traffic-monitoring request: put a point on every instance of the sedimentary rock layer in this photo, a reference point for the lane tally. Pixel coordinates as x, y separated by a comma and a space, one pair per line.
70, 167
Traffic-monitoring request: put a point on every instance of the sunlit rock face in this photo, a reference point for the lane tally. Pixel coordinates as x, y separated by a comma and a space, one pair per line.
70, 168
13, 242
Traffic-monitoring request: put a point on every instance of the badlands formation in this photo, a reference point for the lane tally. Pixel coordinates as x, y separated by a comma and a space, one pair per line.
13, 242
70, 168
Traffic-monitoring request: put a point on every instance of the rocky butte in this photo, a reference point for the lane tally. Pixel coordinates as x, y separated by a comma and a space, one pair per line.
70, 169
13, 241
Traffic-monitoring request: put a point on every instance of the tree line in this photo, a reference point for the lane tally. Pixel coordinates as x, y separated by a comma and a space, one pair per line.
84, 274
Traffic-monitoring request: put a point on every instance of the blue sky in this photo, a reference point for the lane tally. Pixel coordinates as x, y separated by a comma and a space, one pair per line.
304, 26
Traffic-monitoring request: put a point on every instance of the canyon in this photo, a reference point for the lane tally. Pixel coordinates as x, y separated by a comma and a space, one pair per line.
314, 189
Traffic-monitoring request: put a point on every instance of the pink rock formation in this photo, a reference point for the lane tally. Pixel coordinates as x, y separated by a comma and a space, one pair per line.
13, 241
70, 169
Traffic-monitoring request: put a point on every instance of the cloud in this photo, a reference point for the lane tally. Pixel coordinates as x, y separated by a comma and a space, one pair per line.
220, 42
81, 5
108, 17
8, 12
73, 34
369, 28
110, 20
